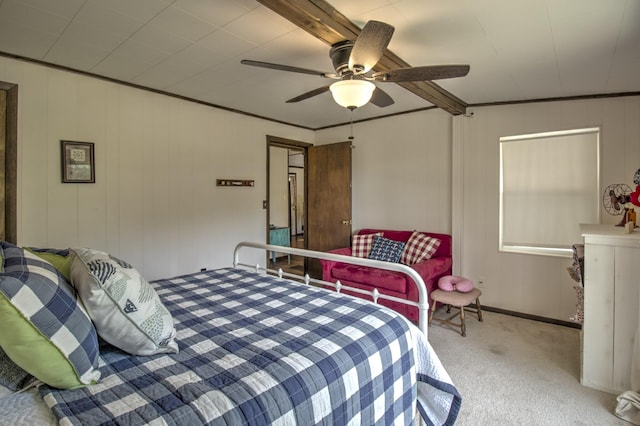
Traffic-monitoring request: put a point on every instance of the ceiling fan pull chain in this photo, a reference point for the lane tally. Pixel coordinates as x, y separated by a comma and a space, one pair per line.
351, 126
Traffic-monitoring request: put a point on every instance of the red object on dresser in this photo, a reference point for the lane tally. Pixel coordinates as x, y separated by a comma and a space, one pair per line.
390, 282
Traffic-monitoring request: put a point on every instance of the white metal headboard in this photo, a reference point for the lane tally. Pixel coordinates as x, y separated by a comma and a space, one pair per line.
422, 304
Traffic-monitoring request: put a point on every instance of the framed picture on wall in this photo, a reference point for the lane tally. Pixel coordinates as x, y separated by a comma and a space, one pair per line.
78, 164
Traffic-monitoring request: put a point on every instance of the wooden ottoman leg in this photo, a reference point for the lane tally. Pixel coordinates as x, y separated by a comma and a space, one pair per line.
463, 327
433, 309
479, 309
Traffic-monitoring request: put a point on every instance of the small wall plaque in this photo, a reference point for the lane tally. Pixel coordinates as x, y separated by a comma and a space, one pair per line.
78, 164
234, 182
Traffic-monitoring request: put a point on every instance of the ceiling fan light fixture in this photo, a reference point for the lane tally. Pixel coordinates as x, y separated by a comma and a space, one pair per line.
352, 93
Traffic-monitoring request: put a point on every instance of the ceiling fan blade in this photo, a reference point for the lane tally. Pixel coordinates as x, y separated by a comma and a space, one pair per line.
370, 46
435, 72
381, 98
309, 94
280, 67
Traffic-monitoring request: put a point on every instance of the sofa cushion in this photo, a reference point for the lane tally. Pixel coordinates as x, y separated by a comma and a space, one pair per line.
386, 250
379, 278
419, 247
361, 244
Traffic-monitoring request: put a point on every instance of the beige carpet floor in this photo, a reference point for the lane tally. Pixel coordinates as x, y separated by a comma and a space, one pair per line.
513, 371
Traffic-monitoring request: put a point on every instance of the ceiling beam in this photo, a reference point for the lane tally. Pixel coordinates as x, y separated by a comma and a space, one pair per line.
320, 19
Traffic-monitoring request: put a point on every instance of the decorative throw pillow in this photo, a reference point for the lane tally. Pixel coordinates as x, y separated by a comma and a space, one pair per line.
59, 258
12, 376
126, 310
419, 247
361, 244
455, 283
386, 249
45, 330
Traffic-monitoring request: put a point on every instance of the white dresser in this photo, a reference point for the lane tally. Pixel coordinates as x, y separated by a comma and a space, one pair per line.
611, 303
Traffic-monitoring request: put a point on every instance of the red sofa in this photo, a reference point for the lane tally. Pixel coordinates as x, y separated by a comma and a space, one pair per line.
390, 282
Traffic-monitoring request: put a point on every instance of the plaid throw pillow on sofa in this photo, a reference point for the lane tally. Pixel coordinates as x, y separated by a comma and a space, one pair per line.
361, 244
419, 247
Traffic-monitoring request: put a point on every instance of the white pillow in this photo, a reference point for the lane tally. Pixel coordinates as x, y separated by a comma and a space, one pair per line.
124, 307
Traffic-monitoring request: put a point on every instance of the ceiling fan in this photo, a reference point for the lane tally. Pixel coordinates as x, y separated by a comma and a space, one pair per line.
353, 61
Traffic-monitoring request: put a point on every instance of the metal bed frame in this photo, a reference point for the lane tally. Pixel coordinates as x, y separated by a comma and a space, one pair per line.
422, 304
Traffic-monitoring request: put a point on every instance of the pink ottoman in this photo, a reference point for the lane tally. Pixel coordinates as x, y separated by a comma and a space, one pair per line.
459, 300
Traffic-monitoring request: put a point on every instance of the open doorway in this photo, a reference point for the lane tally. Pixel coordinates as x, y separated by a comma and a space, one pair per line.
286, 204
325, 216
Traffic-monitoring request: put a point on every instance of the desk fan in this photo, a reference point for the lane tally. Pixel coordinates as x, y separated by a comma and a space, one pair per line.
614, 199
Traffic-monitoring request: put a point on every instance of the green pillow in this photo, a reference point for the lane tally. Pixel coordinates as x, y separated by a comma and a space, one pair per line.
59, 258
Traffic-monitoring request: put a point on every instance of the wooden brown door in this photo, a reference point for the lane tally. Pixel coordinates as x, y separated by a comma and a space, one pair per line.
3, 120
328, 200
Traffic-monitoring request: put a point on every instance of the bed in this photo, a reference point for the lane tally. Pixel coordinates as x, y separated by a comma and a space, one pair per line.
258, 347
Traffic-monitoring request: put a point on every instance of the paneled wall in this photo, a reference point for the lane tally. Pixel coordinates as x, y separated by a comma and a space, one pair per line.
401, 170
155, 202
538, 285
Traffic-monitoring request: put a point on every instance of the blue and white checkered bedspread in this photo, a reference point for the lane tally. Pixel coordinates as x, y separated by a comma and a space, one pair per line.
258, 350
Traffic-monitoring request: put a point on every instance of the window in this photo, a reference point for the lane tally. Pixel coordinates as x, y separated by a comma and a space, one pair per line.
549, 185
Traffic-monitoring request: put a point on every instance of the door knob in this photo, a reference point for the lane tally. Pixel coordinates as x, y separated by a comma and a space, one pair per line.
346, 222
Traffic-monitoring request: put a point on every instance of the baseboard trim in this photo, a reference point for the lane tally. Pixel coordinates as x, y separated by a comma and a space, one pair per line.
532, 317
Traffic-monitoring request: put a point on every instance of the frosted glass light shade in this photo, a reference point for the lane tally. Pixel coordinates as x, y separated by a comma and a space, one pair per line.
352, 93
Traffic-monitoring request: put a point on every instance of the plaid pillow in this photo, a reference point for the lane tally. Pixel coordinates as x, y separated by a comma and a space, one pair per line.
361, 244
419, 247
45, 330
386, 249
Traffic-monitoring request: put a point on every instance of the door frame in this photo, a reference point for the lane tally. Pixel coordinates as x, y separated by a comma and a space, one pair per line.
10, 162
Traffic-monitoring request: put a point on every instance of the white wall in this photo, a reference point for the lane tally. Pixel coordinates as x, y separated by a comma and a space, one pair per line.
401, 170
537, 285
155, 202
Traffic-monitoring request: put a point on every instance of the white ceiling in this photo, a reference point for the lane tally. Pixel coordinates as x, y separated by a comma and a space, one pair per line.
517, 49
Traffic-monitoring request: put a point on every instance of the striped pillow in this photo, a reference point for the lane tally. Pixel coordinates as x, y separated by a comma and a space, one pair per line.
419, 247
45, 330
